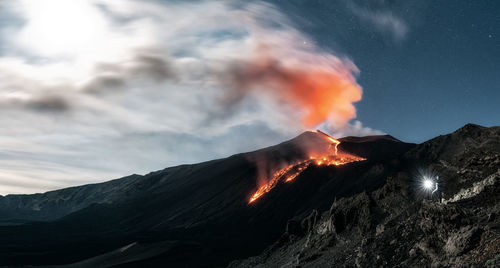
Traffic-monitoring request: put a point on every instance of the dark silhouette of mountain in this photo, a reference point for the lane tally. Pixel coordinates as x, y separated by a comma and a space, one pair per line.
15, 209
199, 216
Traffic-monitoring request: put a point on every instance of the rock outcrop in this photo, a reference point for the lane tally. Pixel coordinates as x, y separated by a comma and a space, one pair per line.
399, 226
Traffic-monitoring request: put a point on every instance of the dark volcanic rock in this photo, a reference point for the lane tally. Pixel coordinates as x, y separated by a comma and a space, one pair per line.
393, 226
375, 148
16, 209
365, 214
204, 207
461, 241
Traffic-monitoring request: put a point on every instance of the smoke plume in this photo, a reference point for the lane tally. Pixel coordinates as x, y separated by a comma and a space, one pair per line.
189, 77
318, 89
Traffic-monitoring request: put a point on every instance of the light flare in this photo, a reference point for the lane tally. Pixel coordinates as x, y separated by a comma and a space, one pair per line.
428, 184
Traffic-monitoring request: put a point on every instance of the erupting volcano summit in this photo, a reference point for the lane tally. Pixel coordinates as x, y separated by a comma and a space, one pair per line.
290, 172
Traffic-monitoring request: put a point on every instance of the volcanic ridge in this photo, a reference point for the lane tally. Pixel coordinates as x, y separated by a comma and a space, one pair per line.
313, 201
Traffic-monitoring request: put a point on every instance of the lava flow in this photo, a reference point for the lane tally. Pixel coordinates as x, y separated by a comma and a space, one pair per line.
290, 172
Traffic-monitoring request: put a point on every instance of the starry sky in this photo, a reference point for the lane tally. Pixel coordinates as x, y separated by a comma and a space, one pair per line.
439, 74
92, 90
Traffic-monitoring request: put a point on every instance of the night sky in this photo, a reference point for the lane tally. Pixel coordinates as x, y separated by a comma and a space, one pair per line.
443, 73
92, 90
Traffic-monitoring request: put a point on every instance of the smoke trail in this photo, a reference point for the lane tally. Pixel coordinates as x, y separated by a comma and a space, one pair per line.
319, 88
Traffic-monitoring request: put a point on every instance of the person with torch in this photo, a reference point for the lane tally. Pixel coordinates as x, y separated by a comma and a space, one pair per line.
431, 186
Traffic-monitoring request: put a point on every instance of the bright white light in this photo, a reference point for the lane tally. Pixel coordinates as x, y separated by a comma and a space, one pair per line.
428, 184
61, 26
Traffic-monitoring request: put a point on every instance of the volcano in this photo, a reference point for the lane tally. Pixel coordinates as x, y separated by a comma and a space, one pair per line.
318, 152
368, 212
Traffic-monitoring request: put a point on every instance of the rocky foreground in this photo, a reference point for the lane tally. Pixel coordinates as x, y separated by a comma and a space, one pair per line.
399, 226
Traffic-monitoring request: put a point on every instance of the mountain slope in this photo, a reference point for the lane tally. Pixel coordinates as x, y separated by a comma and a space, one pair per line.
201, 211
395, 226
368, 213
16, 209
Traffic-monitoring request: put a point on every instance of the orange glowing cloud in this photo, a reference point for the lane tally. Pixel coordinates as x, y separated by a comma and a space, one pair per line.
322, 95
320, 92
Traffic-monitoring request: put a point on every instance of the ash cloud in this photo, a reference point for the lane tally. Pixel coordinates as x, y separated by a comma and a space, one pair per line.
323, 91
204, 70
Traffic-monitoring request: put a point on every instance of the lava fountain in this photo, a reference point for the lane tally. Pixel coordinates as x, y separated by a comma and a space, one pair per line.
290, 172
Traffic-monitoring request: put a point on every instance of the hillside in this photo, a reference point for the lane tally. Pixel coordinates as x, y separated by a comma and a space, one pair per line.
198, 215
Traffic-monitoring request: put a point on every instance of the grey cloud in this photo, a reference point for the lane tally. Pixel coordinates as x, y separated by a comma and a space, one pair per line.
382, 15
152, 66
43, 103
239, 77
104, 83
49, 104
110, 76
386, 22
356, 128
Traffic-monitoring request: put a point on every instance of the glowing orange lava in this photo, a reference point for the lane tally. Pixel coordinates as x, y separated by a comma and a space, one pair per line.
290, 172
